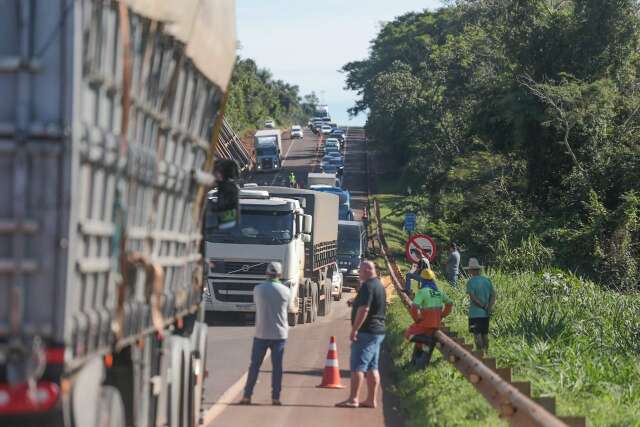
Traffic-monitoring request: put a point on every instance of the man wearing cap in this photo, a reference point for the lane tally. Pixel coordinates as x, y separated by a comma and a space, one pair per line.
482, 297
421, 273
272, 299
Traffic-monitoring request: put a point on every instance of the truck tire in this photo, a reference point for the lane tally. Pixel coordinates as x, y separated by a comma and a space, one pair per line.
110, 408
314, 302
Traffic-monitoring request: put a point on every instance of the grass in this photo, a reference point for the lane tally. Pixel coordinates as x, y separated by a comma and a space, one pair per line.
568, 336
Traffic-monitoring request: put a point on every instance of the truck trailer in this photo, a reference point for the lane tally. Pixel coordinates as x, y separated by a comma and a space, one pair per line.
298, 228
105, 127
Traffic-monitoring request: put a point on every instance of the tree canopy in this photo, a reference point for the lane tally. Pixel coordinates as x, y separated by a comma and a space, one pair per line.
517, 118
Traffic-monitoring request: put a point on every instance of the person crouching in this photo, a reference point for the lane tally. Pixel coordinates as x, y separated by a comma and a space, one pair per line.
429, 307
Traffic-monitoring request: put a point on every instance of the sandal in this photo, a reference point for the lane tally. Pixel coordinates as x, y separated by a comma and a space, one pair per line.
347, 404
245, 401
276, 402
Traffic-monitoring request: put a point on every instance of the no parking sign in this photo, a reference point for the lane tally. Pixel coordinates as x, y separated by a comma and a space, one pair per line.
418, 246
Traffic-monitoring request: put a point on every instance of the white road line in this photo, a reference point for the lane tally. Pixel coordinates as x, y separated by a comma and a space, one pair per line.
227, 398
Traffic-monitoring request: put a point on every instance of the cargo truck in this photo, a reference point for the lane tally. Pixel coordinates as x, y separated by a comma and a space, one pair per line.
268, 144
106, 121
298, 228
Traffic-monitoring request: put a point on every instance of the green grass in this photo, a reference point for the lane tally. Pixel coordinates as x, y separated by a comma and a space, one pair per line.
571, 338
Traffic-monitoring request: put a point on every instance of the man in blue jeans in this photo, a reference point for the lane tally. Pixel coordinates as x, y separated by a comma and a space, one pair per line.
368, 310
272, 299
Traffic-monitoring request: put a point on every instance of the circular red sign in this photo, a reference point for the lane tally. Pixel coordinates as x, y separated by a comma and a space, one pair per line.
418, 246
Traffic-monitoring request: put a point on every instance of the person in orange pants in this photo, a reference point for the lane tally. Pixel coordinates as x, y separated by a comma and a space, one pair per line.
429, 307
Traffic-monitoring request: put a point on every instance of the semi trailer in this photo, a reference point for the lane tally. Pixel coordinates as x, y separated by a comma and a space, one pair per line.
298, 228
105, 127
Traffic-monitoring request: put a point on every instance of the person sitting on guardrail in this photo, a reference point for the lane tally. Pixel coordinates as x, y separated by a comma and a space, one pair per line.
422, 274
482, 298
429, 307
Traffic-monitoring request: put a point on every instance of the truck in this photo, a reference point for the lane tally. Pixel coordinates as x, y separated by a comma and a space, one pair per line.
108, 120
298, 228
322, 111
345, 212
268, 144
318, 178
352, 249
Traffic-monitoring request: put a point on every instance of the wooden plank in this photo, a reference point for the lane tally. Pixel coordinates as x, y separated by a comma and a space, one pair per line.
574, 421
547, 402
505, 374
490, 362
523, 387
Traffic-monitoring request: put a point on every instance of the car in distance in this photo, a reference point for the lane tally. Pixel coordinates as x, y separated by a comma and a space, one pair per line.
296, 132
326, 129
331, 149
269, 124
332, 142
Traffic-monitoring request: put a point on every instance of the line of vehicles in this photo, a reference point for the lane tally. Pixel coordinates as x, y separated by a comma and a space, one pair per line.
310, 231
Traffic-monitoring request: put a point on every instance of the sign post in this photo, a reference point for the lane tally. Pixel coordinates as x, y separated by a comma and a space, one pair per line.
418, 246
410, 220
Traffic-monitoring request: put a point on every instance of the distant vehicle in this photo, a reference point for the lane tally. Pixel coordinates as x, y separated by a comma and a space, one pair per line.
330, 168
337, 282
330, 149
337, 162
332, 142
315, 178
268, 145
339, 134
296, 132
352, 249
333, 125
325, 129
326, 119
322, 111
345, 212
269, 124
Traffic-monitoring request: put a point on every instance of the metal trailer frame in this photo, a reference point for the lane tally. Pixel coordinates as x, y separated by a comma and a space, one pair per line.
100, 165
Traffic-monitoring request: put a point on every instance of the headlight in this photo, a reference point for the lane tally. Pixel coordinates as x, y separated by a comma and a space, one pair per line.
354, 271
259, 167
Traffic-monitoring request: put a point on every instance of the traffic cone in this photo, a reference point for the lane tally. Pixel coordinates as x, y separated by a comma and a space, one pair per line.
331, 373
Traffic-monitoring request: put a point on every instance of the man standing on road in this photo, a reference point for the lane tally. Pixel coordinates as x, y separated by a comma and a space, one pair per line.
482, 298
368, 310
292, 180
272, 299
453, 265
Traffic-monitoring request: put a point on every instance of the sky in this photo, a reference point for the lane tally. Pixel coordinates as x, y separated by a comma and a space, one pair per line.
306, 43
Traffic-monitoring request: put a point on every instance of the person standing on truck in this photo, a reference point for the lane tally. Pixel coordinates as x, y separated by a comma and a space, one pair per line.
482, 298
272, 329
368, 312
453, 264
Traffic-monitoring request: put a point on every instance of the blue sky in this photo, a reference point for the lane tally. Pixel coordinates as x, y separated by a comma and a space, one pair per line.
306, 43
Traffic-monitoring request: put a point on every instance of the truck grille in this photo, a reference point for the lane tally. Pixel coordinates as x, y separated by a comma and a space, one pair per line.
225, 291
258, 268
267, 164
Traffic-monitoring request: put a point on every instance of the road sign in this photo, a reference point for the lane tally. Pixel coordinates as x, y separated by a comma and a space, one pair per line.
420, 245
410, 222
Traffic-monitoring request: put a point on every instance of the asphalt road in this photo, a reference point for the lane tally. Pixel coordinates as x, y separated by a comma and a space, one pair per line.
229, 339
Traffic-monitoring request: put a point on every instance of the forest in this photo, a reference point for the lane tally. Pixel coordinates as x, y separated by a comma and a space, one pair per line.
516, 124
255, 97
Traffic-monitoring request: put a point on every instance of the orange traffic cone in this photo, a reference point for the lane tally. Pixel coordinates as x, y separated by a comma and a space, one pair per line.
331, 373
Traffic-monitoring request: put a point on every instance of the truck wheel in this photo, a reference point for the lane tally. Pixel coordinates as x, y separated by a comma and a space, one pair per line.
292, 319
110, 408
314, 303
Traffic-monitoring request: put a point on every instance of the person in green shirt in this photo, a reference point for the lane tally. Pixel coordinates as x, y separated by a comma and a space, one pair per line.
482, 298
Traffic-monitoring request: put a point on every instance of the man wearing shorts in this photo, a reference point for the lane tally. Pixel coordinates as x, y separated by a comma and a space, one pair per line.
482, 297
367, 332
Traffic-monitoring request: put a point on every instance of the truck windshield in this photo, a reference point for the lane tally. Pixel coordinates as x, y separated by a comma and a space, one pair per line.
256, 227
268, 140
348, 240
269, 150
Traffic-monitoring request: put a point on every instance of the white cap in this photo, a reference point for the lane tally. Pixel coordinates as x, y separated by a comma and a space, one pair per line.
274, 269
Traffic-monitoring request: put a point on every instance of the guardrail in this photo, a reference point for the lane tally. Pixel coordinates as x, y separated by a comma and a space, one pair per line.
512, 399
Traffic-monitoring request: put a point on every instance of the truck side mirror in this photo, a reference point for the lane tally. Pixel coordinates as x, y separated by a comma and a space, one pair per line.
306, 238
307, 224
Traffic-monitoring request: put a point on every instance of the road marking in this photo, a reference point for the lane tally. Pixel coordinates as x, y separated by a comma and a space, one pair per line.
227, 398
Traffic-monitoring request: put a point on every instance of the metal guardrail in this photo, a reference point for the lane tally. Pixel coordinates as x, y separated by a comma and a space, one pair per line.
512, 399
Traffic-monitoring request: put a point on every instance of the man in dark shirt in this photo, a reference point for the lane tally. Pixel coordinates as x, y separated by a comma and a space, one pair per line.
367, 332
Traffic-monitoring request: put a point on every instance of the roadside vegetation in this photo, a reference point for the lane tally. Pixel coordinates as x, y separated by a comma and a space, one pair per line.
570, 337
255, 97
517, 126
